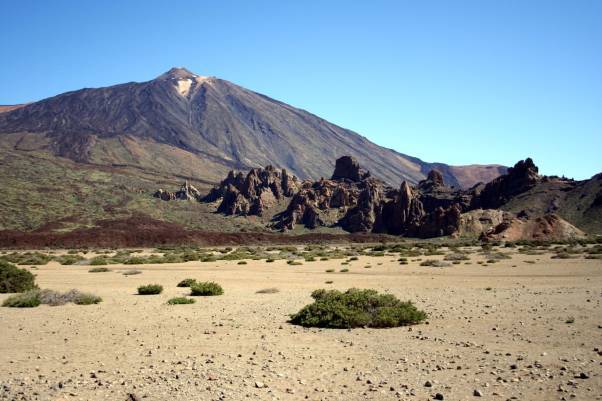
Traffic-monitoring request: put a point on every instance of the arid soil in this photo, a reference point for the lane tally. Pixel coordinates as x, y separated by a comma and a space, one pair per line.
513, 330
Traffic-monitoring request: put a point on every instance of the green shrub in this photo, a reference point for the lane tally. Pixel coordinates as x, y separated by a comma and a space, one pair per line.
356, 308
150, 289
208, 288
242, 262
99, 270
84, 298
67, 260
36, 297
329, 270
181, 301
269, 260
14, 279
99, 261
294, 263
187, 282
56, 298
29, 299
28, 258
344, 270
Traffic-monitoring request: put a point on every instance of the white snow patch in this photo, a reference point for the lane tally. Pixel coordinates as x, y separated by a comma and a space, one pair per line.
183, 85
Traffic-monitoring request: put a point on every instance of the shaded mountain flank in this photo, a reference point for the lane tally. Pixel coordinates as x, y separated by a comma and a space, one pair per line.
520, 204
185, 125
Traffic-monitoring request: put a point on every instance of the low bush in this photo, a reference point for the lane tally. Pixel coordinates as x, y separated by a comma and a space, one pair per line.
268, 291
29, 299
187, 282
434, 263
99, 270
99, 261
181, 301
36, 297
14, 279
294, 263
85, 298
150, 289
56, 298
329, 270
208, 288
344, 270
242, 262
356, 308
67, 260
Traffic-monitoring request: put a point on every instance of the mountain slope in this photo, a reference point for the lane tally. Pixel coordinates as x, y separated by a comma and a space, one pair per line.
186, 125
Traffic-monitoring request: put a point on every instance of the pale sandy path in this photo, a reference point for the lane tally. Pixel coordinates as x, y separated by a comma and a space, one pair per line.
221, 346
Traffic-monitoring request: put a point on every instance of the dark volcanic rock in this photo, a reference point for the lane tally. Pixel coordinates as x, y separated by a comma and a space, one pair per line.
348, 168
253, 194
366, 204
519, 179
313, 197
434, 179
405, 213
366, 216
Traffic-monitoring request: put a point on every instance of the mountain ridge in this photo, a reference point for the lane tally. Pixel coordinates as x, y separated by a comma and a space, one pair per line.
220, 124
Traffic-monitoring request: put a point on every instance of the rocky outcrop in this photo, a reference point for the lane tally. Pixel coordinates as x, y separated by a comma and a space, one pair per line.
477, 221
361, 203
307, 205
254, 193
347, 168
366, 215
404, 213
357, 202
544, 228
186, 192
519, 179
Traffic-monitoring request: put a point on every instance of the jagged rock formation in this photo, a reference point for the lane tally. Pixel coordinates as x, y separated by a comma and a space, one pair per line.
357, 202
305, 206
366, 204
431, 209
519, 179
348, 168
186, 192
253, 194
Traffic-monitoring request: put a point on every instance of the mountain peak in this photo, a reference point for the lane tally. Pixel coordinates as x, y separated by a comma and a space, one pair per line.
177, 73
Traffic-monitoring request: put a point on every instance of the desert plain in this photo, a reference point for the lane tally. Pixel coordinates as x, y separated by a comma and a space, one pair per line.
524, 328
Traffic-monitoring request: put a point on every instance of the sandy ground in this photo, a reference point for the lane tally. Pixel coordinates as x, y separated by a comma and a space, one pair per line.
510, 342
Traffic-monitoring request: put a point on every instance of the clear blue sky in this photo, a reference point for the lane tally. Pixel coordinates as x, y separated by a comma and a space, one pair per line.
459, 82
